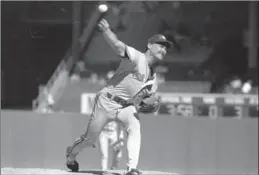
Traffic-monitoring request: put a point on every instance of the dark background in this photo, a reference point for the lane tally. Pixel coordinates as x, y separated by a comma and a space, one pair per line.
36, 35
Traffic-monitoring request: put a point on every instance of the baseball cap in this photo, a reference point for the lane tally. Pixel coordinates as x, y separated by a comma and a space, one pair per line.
160, 39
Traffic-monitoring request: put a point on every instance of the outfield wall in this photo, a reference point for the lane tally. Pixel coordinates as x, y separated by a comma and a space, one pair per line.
175, 144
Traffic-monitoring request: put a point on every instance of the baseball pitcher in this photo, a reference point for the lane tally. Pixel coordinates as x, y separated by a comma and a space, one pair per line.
130, 91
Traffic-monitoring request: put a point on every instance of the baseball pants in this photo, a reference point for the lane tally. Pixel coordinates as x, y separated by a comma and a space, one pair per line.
104, 111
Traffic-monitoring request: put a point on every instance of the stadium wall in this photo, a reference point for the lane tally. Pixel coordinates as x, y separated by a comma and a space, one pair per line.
175, 144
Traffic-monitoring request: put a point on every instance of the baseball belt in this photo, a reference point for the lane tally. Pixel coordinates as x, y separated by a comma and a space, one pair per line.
124, 103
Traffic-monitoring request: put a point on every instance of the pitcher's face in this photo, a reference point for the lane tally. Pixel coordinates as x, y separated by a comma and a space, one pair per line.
157, 50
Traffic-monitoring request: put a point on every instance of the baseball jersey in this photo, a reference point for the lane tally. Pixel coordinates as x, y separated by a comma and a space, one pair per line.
132, 76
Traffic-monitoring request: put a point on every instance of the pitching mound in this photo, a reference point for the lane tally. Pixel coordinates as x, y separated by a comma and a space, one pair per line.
64, 172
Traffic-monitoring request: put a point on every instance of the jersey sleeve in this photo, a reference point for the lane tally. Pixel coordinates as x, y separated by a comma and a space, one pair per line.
131, 53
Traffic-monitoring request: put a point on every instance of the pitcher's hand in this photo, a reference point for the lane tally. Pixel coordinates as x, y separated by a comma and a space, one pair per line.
103, 25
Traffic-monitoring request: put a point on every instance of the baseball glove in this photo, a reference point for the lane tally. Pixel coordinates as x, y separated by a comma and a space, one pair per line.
149, 105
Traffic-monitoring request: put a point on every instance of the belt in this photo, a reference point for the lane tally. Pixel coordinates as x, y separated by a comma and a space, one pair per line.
124, 103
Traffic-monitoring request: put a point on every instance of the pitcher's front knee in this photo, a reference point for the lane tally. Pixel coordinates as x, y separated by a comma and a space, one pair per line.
80, 144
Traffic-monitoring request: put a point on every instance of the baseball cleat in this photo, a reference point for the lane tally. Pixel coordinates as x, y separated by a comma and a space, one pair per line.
133, 172
73, 166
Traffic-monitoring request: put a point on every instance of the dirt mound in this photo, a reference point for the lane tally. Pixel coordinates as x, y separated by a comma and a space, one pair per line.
64, 172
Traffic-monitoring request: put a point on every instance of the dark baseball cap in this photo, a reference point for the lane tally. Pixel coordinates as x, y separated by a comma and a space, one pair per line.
160, 39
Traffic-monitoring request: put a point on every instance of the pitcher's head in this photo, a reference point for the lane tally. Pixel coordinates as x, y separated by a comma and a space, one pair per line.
158, 45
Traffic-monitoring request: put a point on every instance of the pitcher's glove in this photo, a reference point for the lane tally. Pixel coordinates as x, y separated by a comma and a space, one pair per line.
149, 105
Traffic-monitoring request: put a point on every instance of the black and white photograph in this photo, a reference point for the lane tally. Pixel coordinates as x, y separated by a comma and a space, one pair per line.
129, 87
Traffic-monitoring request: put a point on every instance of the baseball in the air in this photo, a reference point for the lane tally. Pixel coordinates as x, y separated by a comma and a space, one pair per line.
103, 8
